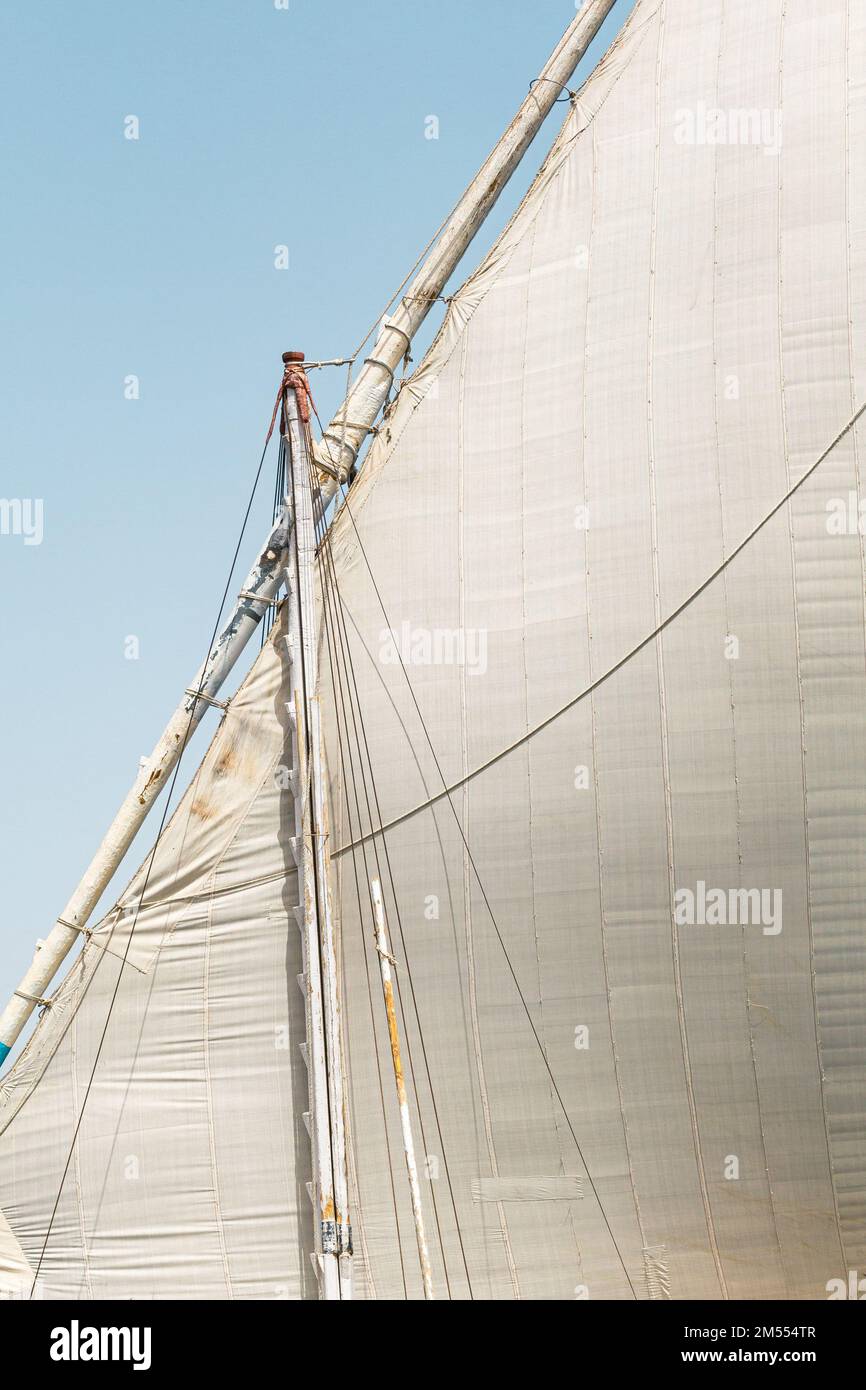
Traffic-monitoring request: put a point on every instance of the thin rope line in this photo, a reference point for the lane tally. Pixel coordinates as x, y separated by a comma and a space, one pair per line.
350, 779
380, 876
327, 551
623, 660
347, 657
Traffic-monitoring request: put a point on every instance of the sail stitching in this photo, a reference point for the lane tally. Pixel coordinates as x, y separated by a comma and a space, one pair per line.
807, 844
466, 880
662, 693
79, 1196
531, 828
599, 837
208, 1090
851, 348
726, 598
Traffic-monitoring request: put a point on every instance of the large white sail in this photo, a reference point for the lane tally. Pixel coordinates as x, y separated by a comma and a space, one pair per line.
668, 335
611, 1100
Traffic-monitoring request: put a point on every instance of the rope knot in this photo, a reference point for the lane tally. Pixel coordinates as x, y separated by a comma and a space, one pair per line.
294, 379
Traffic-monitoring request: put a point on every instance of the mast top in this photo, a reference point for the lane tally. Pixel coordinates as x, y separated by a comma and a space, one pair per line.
293, 357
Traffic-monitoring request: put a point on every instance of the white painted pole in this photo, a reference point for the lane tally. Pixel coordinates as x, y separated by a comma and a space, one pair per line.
320, 935
340, 445
385, 959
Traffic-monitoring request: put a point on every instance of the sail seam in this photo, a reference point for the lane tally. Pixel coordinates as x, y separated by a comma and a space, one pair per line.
466, 875
662, 696
599, 836
726, 599
79, 1198
208, 1090
209, 889
852, 359
799, 666
533, 887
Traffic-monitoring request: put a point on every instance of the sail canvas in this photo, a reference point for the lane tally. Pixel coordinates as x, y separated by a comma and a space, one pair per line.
592, 654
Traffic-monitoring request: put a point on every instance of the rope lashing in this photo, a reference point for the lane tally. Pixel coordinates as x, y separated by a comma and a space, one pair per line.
569, 94
208, 699
255, 598
33, 999
73, 926
294, 377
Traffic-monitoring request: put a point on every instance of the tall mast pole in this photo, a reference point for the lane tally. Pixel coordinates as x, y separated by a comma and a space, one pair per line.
324, 1041
335, 456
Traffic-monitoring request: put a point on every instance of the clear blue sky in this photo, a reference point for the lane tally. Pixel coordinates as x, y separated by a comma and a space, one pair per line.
258, 126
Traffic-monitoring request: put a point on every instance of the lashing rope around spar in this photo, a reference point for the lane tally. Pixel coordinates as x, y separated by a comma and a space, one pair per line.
295, 377
208, 699
628, 656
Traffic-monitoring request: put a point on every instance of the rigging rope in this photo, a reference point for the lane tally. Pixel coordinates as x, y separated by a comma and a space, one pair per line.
491, 914
448, 789
337, 687
329, 582
617, 665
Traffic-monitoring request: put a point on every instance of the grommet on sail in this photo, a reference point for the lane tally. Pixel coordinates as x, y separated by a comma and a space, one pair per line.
566, 686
